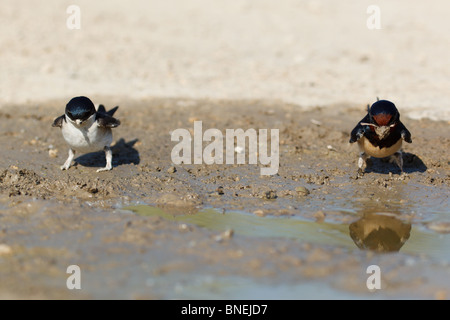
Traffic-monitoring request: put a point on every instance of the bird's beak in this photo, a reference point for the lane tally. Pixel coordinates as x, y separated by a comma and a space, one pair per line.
78, 121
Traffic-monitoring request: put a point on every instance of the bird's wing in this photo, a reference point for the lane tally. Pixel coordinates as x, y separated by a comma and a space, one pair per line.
406, 135
105, 118
59, 121
101, 109
112, 111
358, 131
106, 121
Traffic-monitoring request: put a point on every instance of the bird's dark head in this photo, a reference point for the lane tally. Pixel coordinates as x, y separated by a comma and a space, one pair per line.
79, 109
383, 117
383, 113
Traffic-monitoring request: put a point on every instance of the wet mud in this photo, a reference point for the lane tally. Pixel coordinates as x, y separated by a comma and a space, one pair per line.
154, 230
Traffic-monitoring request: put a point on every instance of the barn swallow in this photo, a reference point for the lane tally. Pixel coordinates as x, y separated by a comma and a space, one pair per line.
87, 130
380, 134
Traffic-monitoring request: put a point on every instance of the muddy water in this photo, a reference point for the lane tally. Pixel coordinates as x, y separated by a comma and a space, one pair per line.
259, 237
250, 225
381, 232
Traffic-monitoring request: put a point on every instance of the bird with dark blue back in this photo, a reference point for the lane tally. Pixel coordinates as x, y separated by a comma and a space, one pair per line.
380, 134
87, 130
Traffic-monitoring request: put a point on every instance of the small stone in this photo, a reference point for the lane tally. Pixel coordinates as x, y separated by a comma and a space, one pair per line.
331, 148
270, 195
172, 170
53, 153
5, 249
302, 191
93, 190
226, 235
319, 216
183, 227
219, 190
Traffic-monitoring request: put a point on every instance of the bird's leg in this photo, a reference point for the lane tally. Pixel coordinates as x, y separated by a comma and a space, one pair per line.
398, 158
361, 162
66, 164
108, 154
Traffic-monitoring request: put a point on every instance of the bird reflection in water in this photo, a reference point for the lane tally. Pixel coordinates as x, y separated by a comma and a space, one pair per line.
379, 232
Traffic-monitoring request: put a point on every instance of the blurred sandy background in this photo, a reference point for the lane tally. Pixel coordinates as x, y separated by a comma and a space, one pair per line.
307, 52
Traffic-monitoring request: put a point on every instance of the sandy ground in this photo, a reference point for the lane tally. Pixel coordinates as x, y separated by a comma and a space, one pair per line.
307, 68
51, 219
308, 52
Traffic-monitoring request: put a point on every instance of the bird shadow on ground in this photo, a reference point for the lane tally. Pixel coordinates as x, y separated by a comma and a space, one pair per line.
123, 153
411, 163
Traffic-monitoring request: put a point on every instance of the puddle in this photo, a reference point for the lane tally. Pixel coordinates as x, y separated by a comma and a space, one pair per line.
374, 231
381, 232
254, 226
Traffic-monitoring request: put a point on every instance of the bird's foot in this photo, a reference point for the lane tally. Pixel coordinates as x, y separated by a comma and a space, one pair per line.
65, 166
107, 168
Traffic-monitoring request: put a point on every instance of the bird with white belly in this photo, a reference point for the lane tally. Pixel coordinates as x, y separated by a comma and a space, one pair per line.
87, 130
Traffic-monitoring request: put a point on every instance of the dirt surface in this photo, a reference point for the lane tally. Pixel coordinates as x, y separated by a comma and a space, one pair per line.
50, 219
